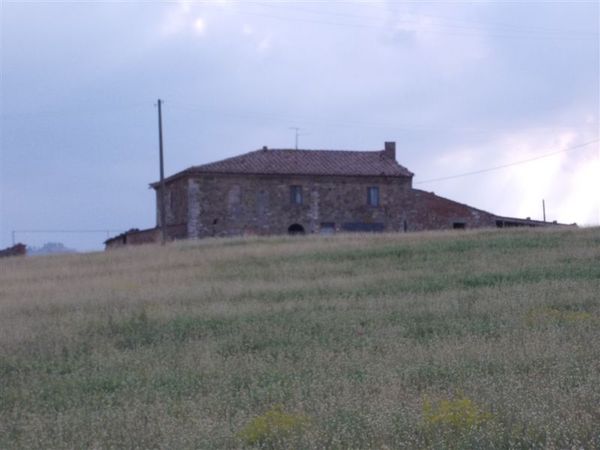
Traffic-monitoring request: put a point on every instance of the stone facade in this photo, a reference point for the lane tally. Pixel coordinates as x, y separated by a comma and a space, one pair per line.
234, 205
304, 191
220, 203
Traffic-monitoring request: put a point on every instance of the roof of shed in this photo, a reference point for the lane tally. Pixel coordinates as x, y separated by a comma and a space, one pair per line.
304, 162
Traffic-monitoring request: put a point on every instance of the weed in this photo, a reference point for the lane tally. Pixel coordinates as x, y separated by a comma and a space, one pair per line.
188, 345
273, 426
460, 414
548, 315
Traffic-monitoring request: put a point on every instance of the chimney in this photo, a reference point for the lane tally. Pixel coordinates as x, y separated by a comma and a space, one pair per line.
390, 150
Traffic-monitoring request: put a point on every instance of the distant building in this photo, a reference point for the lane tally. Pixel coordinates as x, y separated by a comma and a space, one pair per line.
16, 250
279, 191
50, 248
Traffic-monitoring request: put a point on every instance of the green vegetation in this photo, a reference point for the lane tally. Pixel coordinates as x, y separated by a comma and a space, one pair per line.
274, 428
459, 414
484, 339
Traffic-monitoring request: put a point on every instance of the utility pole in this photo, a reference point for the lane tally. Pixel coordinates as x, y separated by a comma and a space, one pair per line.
163, 221
544, 208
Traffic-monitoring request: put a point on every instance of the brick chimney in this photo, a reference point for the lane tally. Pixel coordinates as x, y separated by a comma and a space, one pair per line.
390, 150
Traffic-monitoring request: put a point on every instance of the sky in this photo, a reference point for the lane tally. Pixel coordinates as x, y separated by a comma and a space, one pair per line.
460, 87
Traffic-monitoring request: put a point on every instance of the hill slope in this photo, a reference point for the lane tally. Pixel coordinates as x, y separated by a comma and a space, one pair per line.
445, 340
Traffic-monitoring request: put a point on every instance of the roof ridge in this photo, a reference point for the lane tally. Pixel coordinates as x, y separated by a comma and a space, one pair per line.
288, 161
269, 149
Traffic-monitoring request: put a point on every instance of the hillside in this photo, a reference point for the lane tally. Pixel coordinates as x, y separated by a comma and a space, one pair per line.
437, 340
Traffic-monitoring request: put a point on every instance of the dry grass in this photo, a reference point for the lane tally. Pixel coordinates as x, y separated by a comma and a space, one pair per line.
436, 340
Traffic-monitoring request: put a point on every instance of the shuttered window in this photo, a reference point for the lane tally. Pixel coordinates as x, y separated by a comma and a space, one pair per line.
296, 195
373, 196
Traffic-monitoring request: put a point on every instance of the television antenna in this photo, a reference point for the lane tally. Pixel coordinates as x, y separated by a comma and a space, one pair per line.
297, 134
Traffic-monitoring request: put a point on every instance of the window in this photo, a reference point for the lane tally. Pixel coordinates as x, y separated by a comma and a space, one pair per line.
327, 228
296, 195
363, 227
373, 196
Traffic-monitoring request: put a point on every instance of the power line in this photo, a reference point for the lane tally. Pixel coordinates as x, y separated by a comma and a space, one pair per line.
471, 24
69, 112
463, 31
316, 121
67, 231
503, 166
62, 231
322, 121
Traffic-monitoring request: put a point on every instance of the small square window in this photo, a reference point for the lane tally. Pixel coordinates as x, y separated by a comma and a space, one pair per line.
296, 195
373, 196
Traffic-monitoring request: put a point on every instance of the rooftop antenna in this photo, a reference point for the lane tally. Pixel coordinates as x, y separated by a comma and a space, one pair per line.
297, 134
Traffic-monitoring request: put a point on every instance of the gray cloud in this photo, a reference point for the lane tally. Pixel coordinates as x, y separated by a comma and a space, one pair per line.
459, 87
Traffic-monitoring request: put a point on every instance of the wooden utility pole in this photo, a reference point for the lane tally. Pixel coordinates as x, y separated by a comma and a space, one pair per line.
162, 203
544, 208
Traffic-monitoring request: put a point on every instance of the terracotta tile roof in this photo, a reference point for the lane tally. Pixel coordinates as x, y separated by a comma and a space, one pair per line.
435, 203
305, 162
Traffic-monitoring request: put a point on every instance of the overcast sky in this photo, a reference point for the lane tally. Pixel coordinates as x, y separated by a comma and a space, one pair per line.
459, 86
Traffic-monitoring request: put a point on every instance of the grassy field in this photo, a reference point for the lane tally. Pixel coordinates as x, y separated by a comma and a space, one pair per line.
486, 339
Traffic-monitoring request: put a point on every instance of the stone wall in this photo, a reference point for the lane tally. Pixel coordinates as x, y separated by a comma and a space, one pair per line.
176, 201
428, 211
232, 205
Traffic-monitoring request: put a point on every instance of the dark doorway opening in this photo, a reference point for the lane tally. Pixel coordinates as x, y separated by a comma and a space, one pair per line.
295, 229
459, 225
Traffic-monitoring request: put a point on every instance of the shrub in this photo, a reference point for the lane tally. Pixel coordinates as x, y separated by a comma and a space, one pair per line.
458, 414
273, 426
546, 315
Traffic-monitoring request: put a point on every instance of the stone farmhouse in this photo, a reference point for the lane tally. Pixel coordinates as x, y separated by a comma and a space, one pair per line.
279, 191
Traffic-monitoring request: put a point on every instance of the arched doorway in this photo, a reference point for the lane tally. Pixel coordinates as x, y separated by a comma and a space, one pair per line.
295, 229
